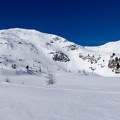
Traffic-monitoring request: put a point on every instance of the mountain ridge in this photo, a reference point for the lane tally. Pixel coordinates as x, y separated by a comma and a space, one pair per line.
33, 48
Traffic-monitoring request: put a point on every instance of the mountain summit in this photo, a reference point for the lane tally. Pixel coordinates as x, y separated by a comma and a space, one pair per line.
20, 48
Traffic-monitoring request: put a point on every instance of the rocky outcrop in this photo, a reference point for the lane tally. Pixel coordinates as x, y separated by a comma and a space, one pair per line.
60, 56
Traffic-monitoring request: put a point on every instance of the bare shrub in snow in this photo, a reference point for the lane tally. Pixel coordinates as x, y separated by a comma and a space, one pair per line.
84, 72
50, 78
14, 66
7, 80
40, 70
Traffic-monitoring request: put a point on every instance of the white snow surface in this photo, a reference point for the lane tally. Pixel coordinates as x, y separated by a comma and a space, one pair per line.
72, 97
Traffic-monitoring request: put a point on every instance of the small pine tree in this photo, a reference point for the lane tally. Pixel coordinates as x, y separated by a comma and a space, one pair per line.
116, 59
27, 67
119, 59
14, 66
117, 66
113, 54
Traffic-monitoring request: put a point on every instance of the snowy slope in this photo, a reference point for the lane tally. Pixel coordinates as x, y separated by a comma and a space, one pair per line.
111, 47
46, 51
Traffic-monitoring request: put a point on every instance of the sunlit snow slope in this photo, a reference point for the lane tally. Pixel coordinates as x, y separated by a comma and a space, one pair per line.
40, 50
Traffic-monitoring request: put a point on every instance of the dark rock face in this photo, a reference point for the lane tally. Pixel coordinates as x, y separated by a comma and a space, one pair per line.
60, 56
72, 47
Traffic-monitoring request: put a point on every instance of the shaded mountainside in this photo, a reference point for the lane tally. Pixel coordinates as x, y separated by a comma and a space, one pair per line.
20, 48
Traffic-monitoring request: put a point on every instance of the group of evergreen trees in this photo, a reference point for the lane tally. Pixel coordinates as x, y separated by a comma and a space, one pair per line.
114, 63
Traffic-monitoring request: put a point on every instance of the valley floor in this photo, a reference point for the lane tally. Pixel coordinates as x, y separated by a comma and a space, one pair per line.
72, 97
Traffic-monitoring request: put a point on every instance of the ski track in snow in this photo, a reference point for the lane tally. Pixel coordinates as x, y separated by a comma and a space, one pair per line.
59, 89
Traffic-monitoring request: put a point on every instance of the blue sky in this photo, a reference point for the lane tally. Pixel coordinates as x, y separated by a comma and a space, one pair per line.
85, 22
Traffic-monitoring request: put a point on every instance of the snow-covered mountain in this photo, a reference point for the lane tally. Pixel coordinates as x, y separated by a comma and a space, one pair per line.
20, 48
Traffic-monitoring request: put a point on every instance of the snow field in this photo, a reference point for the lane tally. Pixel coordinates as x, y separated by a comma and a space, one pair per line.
73, 97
